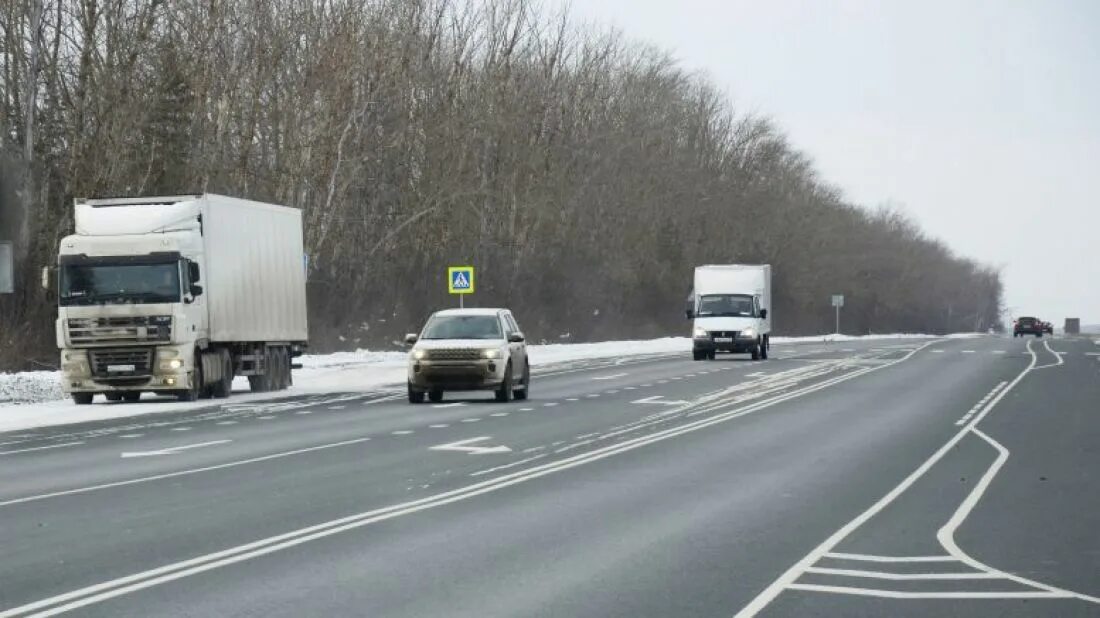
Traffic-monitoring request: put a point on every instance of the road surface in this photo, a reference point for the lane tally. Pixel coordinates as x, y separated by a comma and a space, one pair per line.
951, 477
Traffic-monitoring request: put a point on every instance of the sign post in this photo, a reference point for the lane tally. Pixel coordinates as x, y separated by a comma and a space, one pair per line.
460, 281
7, 269
838, 302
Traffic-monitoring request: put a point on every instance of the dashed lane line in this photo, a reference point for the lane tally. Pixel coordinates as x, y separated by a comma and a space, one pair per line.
40, 448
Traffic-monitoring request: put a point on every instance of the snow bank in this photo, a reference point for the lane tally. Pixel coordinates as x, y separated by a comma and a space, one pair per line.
340, 372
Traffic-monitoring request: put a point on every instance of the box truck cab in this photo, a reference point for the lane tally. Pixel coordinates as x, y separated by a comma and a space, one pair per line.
177, 295
729, 306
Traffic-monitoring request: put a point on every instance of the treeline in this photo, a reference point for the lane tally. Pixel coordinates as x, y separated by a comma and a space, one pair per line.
583, 174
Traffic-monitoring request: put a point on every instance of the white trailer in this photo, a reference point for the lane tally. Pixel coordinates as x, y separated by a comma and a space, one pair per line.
729, 306
178, 294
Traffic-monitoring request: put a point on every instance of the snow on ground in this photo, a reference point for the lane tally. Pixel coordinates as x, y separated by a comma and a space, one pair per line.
34, 399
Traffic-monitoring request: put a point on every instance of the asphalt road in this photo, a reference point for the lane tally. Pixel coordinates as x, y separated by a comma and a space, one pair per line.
889, 478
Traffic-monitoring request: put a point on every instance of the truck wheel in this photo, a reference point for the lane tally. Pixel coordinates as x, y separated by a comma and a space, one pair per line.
131, 396
711, 355
284, 369
756, 353
113, 396
196, 389
698, 355
224, 386
82, 399
415, 396
504, 393
764, 350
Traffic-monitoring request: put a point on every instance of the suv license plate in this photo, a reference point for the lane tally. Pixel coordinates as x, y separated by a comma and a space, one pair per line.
120, 368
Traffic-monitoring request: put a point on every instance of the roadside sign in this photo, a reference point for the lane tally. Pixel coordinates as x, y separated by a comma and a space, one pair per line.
460, 279
838, 300
7, 270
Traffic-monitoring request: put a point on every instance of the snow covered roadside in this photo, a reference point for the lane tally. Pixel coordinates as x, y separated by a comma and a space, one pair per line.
34, 399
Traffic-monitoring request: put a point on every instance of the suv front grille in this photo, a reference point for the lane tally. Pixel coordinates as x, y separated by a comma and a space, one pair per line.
122, 362
454, 354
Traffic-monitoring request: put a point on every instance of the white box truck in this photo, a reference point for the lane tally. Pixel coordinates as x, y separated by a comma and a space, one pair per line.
177, 295
729, 307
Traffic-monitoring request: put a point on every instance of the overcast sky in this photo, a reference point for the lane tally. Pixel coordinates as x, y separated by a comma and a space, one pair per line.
980, 119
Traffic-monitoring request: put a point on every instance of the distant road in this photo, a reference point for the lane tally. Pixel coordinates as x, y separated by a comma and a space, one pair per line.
886, 478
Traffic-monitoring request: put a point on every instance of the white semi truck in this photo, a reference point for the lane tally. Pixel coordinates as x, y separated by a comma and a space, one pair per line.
729, 306
179, 294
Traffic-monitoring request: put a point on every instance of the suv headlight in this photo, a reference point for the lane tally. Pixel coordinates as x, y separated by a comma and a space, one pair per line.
490, 353
419, 354
748, 333
700, 333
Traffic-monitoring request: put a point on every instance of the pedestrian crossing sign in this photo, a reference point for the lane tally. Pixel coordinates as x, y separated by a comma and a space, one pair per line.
460, 279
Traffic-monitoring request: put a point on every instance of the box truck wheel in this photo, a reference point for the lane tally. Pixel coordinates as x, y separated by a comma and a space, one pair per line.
764, 348
82, 399
756, 352
712, 355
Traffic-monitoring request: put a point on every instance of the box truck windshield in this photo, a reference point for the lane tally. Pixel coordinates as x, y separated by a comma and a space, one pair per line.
119, 283
726, 305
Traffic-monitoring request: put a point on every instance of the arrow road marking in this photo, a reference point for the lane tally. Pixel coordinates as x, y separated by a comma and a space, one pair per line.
173, 450
660, 399
466, 446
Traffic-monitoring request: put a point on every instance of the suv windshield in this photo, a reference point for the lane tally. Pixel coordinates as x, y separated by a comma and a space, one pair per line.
97, 284
463, 327
726, 305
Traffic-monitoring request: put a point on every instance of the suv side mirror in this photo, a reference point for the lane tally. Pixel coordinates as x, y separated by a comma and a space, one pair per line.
411, 338
763, 314
515, 338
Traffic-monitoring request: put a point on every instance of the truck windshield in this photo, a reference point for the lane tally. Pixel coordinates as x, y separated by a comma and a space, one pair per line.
98, 284
463, 327
726, 305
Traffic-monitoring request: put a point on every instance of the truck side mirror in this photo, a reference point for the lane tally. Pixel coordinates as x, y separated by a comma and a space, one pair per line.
193, 273
763, 314
196, 290
690, 314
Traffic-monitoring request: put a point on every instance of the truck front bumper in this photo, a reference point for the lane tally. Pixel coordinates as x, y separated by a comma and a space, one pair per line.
105, 370
736, 344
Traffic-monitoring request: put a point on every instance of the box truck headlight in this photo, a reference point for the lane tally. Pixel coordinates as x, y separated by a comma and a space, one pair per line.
700, 333
748, 333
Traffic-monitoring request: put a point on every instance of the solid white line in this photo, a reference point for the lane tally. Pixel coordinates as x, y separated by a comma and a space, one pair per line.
157, 477
138, 581
875, 558
900, 576
611, 377
769, 594
507, 466
228, 422
457, 404
129, 436
897, 594
39, 448
1058, 355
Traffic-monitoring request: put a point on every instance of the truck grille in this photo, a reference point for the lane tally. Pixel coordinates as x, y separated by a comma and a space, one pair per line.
454, 355
121, 363
724, 333
120, 329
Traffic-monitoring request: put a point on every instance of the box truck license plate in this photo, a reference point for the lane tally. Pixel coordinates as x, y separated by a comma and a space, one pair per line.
723, 339
120, 368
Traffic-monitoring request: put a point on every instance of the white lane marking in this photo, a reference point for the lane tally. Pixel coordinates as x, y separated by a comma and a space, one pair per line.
304, 412
585, 436
629, 388
946, 534
226, 423
1057, 355
876, 558
788, 579
173, 450
647, 385
899, 576
470, 420
755, 374
439, 425
593, 395
39, 448
660, 399
401, 432
200, 564
499, 414
677, 378
968, 351
127, 436
612, 392
1092, 353
998, 352
662, 381
549, 404
937, 351
978, 406
181, 429
457, 404
690, 375
507, 466
265, 418
336, 407
848, 350
611, 377
533, 449
898, 594
467, 446
784, 581
572, 399
526, 409
168, 475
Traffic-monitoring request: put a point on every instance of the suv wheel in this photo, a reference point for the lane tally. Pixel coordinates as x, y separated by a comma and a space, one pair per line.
415, 396
521, 394
435, 395
504, 393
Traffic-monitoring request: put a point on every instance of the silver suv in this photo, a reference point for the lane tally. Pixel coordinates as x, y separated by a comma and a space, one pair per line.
468, 350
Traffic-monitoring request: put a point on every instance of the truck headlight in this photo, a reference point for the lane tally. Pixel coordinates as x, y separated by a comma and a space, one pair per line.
700, 333
748, 333
170, 366
490, 353
419, 354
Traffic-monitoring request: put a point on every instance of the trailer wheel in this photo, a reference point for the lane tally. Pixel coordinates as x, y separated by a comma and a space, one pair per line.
82, 399
113, 396
131, 396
